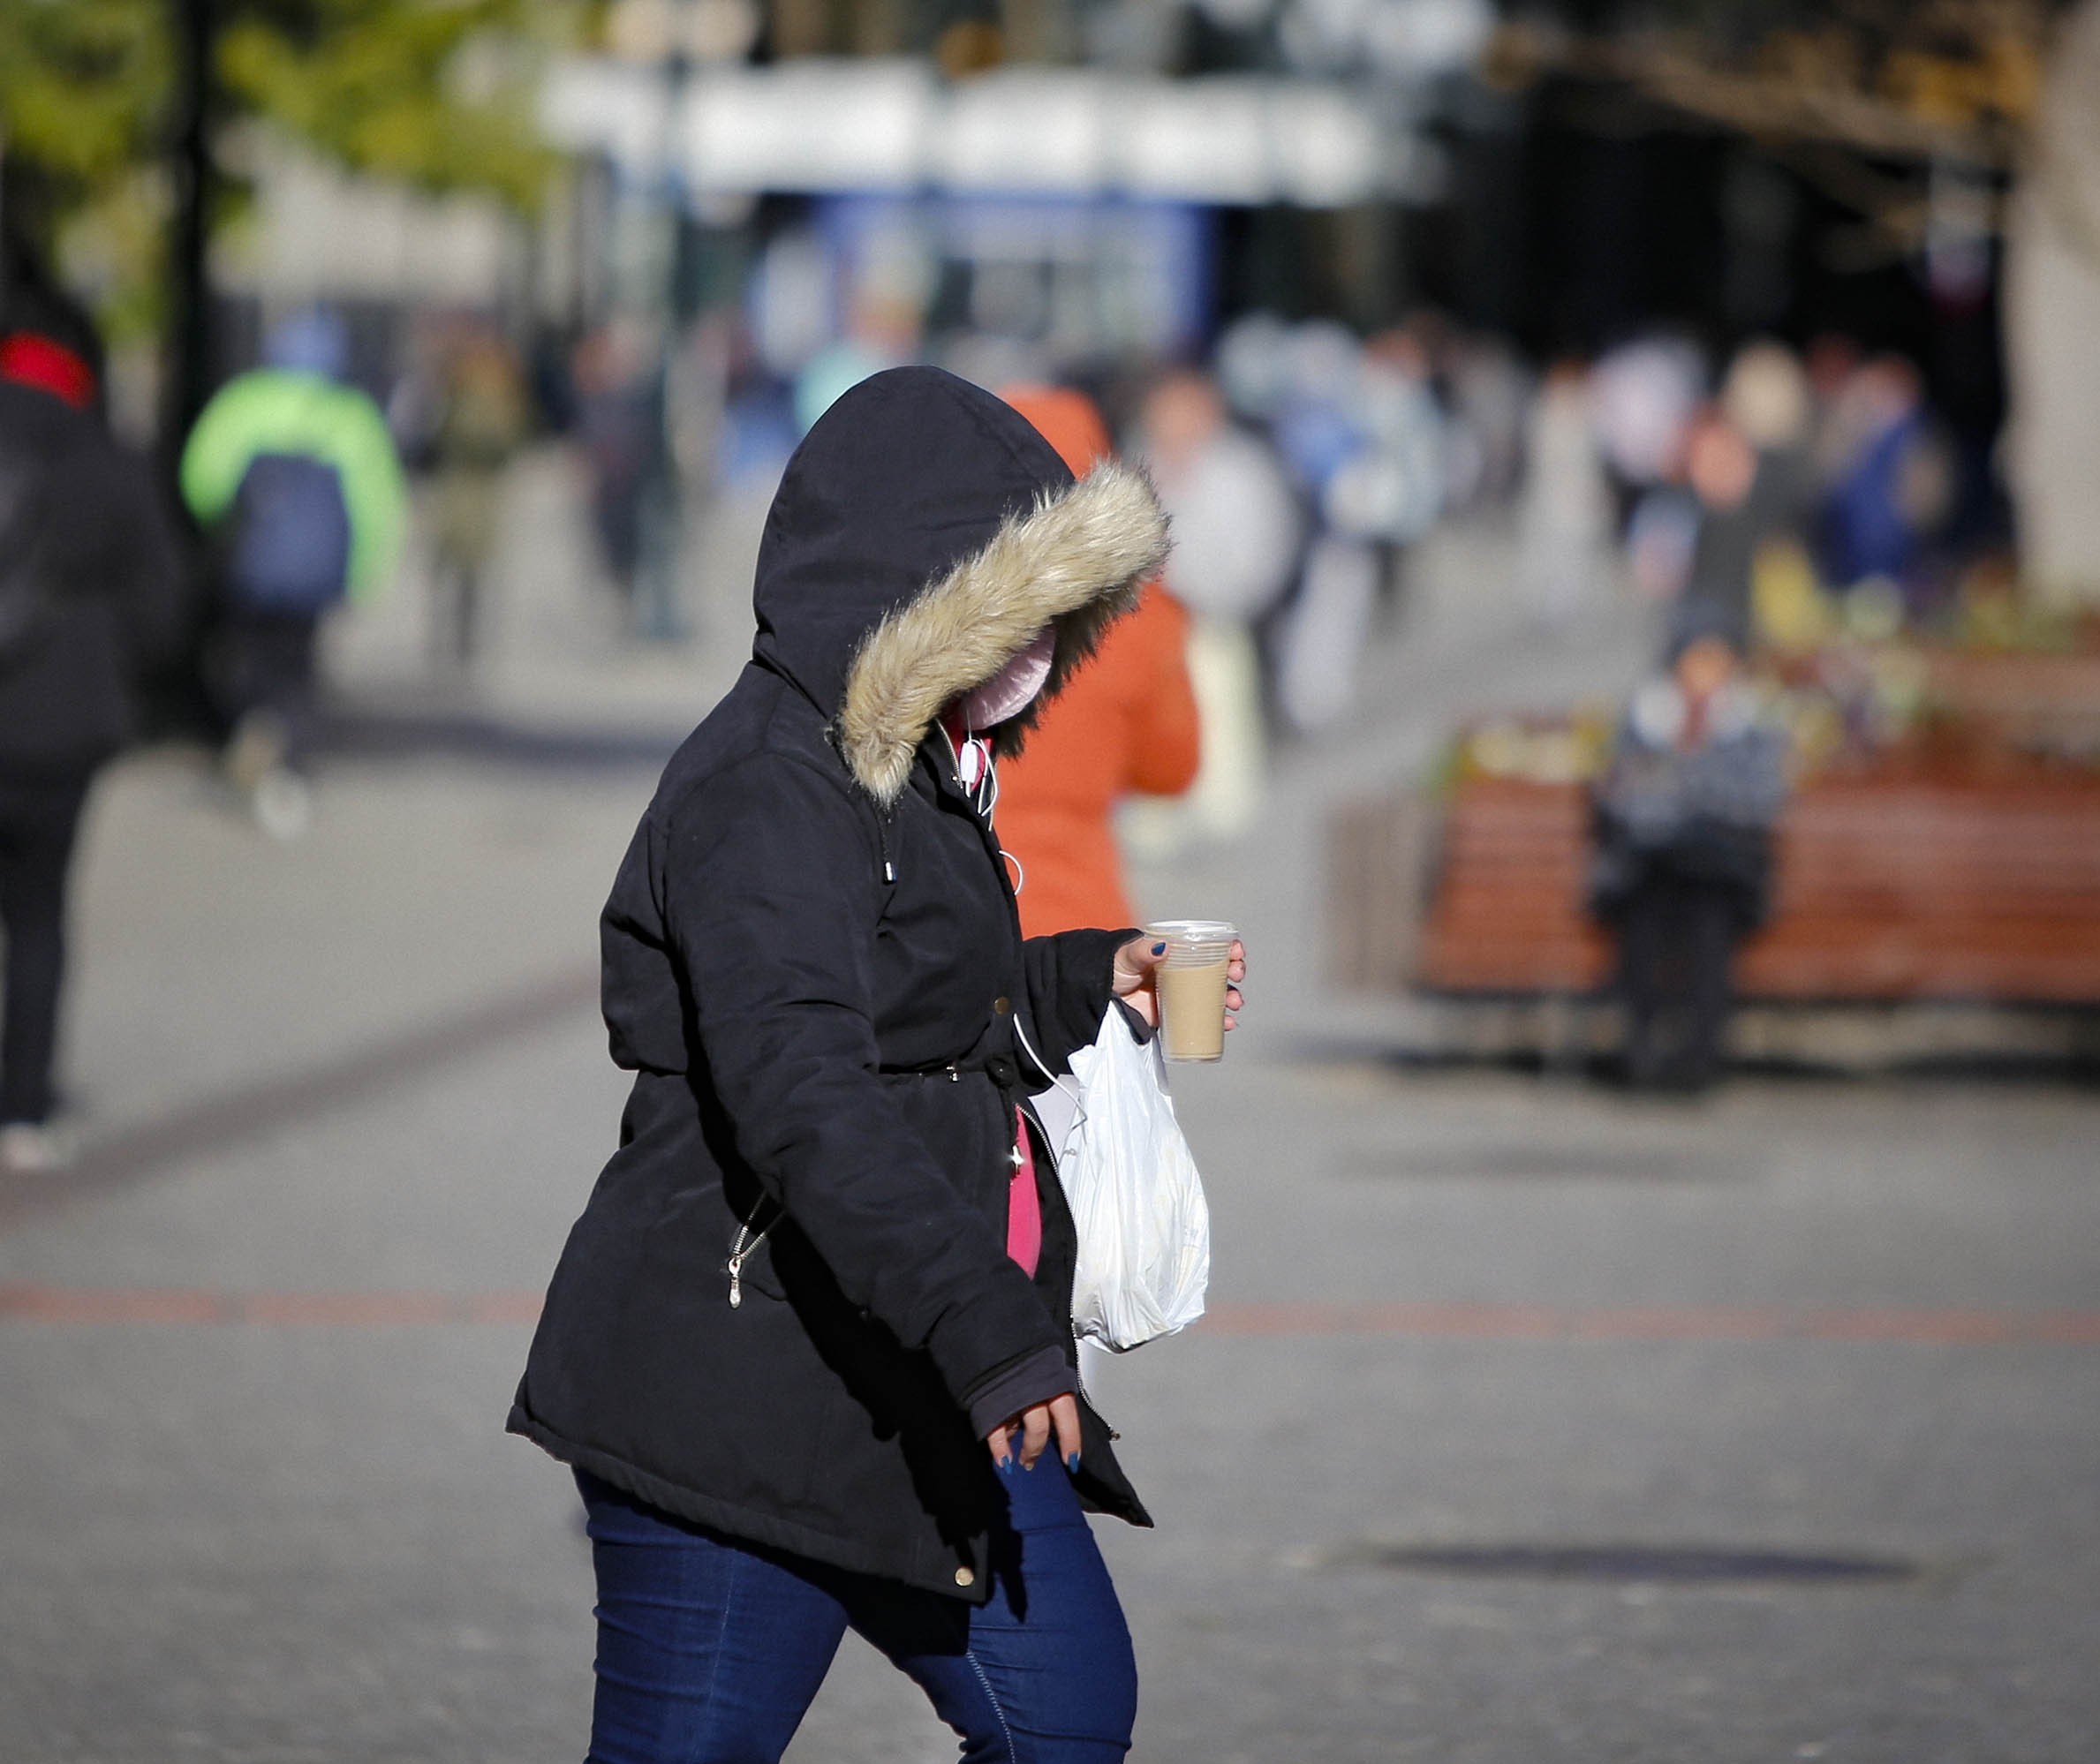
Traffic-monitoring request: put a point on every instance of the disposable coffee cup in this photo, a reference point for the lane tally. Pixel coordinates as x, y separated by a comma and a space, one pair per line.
1191, 981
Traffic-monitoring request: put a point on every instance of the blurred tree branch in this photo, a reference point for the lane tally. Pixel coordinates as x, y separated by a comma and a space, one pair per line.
432, 92
113, 114
84, 86
393, 86
1948, 81
1890, 106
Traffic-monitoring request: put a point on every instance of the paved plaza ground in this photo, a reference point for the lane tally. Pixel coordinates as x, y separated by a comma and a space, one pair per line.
1532, 1422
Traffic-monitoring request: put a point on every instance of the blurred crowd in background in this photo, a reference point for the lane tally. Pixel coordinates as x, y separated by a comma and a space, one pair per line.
1808, 494
1805, 495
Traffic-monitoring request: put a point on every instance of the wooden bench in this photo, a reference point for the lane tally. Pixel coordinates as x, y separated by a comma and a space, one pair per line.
1888, 889
2012, 701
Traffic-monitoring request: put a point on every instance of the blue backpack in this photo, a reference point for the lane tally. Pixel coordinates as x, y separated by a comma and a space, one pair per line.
287, 547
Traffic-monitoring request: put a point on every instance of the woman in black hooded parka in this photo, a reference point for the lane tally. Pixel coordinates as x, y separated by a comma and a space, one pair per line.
794, 1348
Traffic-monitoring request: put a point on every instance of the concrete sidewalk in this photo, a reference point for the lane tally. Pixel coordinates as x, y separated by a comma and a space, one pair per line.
1757, 1430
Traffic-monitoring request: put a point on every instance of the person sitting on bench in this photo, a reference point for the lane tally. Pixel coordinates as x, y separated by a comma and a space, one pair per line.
1683, 826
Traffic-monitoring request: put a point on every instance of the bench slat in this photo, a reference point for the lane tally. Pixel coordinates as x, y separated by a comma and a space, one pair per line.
1971, 891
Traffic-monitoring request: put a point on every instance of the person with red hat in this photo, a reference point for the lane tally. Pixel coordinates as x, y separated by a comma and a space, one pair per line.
91, 576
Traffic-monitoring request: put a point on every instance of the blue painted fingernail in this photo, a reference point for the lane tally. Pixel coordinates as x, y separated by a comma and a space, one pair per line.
1072, 1464
1159, 949
1006, 1466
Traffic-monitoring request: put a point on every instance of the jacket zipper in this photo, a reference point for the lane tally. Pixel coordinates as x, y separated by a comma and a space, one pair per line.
742, 1250
1079, 1378
737, 1255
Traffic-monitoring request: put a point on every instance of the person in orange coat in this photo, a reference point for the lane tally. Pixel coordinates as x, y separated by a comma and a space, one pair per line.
1126, 722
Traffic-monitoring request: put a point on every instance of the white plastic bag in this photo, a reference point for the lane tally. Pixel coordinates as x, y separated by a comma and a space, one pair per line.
1144, 1229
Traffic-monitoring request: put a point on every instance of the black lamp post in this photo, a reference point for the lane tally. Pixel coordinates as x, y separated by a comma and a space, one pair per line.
189, 353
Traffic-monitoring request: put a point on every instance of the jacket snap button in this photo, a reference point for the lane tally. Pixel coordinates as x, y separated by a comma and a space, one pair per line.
1002, 1005
966, 1577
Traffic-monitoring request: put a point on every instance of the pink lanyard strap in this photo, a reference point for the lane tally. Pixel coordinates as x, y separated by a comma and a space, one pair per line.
1024, 1204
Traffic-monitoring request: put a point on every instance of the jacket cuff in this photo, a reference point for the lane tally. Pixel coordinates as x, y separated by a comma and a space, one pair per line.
1034, 1378
1141, 1031
1005, 1325
1071, 980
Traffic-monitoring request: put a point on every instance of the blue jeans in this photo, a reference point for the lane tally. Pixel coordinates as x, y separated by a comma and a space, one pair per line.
710, 1651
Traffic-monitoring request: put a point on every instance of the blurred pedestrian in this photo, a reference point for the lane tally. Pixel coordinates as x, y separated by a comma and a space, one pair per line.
1125, 722
1767, 400
619, 430
1564, 516
1766, 394
1389, 493
292, 474
480, 422
1382, 493
1492, 397
1747, 465
810, 1346
1644, 393
1238, 535
47, 337
1684, 823
1721, 469
90, 599
1891, 477
882, 330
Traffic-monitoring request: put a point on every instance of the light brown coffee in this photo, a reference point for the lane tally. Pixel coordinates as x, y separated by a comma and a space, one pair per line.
1192, 1007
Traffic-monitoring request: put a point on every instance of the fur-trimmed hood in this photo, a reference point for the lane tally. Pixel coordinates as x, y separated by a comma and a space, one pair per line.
923, 536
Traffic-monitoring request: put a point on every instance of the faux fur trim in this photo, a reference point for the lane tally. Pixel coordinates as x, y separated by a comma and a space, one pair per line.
1076, 561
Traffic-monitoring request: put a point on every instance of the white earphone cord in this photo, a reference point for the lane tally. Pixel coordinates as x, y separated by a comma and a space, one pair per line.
988, 788
1064, 1084
984, 798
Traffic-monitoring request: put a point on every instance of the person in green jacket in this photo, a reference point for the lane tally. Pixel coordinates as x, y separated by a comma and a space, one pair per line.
292, 474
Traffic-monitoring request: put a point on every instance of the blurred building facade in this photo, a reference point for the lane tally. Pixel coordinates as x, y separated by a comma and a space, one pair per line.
1077, 183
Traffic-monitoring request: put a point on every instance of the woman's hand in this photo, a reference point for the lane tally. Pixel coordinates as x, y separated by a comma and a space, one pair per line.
1059, 1416
1137, 964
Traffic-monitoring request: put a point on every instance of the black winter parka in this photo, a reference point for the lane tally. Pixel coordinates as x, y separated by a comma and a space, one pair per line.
814, 967
110, 579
